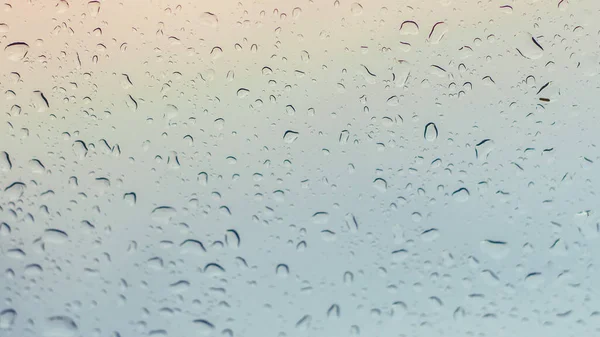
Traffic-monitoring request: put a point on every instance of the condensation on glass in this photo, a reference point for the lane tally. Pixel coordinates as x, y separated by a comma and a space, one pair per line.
299, 168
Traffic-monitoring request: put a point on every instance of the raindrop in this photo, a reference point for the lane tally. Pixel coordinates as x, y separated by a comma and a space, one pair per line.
163, 214
209, 19
16, 51
534, 280
380, 185
483, 149
60, 326
356, 9
461, 195
431, 132
282, 270
203, 327
320, 218
495, 249
409, 28
304, 323
55, 236
93, 8
290, 136
430, 235
7, 318
438, 31
527, 46
243, 92
333, 312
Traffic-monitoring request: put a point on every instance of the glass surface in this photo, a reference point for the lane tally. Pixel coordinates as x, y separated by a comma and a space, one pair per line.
299, 168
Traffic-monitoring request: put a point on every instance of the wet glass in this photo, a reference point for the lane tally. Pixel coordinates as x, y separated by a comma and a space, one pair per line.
299, 168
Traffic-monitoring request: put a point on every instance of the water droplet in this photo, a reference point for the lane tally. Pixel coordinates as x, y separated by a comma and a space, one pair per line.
327, 235
209, 19
333, 312
16, 51
5, 162
290, 110
55, 236
356, 9
93, 8
59, 326
430, 235
7, 318
15, 190
320, 218
243, 92
62, 6
290, 136
191, 246
282, 270
232, 238
203, 327
163, 214
393, 101
431, 132
438, 31
216, 52
495, 249
33, 270
409, 28
304, 322
461, 195
399, 255
527, 46
179, 286
483, 149
380, 185
348, 278
534, 280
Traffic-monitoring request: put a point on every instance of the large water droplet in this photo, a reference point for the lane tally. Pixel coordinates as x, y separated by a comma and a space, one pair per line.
495, 249
209, 19
203, 327
16, 51
527, 46
431, 132
438, 31
55, 236
409, 28
461, 195
7, 318
243, 92
59, 326
290, 136
356, 9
